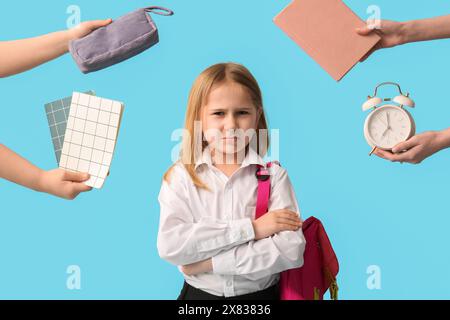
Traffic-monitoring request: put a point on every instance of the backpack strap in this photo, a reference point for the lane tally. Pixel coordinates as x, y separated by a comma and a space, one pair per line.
262, 200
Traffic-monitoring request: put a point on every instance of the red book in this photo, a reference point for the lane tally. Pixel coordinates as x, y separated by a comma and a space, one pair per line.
325, 29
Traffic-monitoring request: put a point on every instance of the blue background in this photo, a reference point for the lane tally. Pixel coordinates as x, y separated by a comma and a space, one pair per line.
376, 212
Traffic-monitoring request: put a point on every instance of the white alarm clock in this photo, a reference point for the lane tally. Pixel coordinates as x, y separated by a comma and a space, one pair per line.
388, 124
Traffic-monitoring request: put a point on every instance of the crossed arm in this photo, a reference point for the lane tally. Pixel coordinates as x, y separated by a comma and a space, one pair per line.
250, 248
281, 250
264, 227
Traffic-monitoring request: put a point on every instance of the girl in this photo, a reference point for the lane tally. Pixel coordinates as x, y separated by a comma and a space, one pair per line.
208, 197
19, 56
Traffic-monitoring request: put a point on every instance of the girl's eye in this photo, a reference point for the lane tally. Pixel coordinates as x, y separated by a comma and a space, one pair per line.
219, 113
243, 112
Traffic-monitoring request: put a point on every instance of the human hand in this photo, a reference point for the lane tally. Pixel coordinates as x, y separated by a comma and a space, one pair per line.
64, 184
197, 267
417, 148
275, 221
84, 28
391, 33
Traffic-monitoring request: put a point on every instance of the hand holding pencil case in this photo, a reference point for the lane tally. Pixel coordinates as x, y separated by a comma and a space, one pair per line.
122, 39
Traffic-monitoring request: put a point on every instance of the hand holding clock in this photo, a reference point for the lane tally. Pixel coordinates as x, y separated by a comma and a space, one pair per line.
417, 148
392, 33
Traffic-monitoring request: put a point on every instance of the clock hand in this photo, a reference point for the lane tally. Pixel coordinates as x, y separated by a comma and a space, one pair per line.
387, 129
379, 118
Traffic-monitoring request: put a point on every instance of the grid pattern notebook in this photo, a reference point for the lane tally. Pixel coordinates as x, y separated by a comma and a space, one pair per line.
57, 114
91, 135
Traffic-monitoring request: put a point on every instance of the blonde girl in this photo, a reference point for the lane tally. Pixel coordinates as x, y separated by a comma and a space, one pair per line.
208, 197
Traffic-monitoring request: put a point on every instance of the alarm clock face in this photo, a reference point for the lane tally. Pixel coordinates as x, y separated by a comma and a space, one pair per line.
388, 125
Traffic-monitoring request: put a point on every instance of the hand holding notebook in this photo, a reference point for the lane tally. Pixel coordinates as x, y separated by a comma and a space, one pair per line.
325, 29
84, 131
91, 135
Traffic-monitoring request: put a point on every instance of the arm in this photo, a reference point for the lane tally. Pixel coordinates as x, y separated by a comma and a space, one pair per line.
418, 148
427, 29
181, 239
269, 224
21, 55
396, 33
57, 182
270, 255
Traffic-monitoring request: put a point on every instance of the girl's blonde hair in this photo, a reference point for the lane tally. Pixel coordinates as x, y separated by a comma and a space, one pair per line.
198, 96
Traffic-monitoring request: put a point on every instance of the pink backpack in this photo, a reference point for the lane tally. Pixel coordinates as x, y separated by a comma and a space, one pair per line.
320, 267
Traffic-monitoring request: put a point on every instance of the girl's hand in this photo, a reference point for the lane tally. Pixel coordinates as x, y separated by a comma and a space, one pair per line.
64, 184
417, 148
275, 221
392, 34
84, 28
197, 268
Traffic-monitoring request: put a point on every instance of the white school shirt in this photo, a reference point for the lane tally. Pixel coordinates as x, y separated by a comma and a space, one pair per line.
197, 224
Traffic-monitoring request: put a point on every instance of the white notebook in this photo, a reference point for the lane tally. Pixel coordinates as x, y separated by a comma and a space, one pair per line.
91, 135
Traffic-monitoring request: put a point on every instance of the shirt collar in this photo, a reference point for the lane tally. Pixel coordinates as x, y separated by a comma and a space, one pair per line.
205, 158
252, 157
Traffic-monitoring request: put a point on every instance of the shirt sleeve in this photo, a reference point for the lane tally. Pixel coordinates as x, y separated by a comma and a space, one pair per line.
181, 240
261, 258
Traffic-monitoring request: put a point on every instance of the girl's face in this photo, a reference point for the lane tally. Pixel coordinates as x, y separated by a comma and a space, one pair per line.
229, 118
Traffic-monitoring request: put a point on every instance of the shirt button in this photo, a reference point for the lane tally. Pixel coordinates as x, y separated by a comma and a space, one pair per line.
229, 283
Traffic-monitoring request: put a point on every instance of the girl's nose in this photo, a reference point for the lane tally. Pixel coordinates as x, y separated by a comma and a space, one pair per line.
230, 122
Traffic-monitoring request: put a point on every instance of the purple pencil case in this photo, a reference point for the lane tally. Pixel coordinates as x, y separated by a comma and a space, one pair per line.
122, 39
